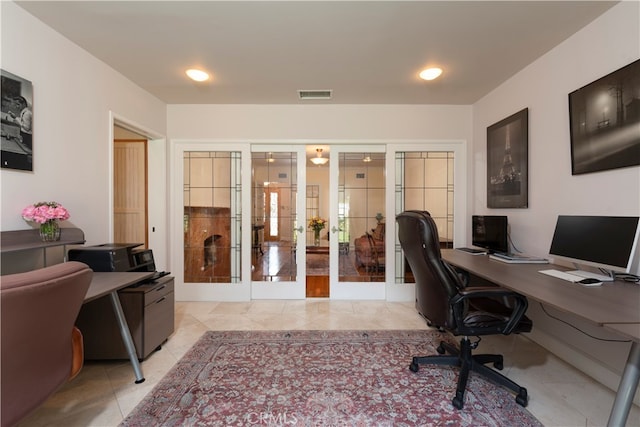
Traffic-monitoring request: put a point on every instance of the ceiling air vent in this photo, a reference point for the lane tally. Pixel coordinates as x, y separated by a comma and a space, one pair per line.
314, 94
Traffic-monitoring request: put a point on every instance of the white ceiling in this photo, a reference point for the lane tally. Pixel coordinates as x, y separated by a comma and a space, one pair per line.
367, 52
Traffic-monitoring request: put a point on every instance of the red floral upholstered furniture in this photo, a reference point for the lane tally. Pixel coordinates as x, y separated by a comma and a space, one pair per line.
370, 249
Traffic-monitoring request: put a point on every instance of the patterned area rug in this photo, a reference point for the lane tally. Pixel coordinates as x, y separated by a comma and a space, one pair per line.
319, 378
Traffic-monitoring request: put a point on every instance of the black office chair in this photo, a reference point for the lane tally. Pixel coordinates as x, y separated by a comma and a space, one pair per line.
446, 304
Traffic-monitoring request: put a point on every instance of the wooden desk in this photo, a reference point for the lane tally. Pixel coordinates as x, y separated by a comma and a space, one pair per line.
103, 284
614, 306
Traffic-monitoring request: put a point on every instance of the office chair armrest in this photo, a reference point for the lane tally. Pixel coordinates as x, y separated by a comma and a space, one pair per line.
518, 309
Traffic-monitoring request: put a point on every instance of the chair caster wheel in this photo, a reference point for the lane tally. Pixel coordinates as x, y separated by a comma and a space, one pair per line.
414, 367
457, 403
499, 366
522, 398
440, 349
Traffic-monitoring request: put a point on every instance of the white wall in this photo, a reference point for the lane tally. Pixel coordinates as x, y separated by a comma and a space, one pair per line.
73, 95
608, 43
320, 176
316, 122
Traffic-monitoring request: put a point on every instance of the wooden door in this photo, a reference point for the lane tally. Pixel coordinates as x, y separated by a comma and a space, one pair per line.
130, 191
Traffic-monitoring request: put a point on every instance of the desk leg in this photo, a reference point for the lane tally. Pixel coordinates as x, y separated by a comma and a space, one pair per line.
626, 389
126, 336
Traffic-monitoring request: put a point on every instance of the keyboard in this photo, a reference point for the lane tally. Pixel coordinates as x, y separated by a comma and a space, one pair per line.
562, 275
473, 251
518, 259
156, 275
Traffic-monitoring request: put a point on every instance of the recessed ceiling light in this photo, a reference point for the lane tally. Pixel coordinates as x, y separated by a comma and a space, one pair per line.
197, 75
430, 73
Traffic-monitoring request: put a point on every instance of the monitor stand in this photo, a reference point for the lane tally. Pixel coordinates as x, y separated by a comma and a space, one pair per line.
609, 277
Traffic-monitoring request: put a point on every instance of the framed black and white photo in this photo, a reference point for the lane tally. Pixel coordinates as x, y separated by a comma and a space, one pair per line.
605, 122
17, 122
507, 162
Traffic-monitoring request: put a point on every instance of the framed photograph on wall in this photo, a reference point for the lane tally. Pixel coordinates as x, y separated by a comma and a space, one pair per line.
507, 162
16, 122
605, 122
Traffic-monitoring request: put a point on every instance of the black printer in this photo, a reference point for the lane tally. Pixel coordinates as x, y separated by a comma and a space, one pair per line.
115, 257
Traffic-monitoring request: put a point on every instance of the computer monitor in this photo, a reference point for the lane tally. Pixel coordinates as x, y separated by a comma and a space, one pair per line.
490, 232
605, 242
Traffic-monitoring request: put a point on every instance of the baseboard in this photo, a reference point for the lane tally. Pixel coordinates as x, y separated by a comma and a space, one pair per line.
580, 361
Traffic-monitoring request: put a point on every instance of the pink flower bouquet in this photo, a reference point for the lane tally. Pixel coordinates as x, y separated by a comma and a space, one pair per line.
44, 212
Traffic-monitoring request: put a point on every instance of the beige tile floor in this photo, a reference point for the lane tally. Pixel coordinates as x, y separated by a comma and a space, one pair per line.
105, 392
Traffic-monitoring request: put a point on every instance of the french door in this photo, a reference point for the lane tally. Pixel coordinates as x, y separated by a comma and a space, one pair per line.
278, 182
358, 205
207, 221
240, 217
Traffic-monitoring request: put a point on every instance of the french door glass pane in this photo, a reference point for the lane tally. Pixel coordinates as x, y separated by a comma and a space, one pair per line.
424, 181
211, 217
273, 216
361, 217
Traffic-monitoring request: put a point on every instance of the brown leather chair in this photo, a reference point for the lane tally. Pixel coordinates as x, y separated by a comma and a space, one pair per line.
444, 301
369, 249
40, 349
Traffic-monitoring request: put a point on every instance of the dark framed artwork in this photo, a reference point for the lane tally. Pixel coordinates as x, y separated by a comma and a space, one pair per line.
605, 122
16, 122
507, 162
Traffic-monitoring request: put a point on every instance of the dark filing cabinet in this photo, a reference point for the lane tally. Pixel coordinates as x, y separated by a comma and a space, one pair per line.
148, 306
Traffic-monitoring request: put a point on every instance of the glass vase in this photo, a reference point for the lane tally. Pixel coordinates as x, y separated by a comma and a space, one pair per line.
316, 237
50, 231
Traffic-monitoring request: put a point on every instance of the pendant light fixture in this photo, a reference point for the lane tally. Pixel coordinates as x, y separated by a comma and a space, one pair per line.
319, 160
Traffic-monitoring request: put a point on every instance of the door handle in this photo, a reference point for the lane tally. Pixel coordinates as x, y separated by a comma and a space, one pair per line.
299, 229
334, 229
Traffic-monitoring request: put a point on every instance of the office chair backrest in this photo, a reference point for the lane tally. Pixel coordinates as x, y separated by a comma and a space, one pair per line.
38, 311
436, 282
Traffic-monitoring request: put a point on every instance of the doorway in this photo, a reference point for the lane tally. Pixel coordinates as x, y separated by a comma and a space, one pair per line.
130, 188
273, 213
317, 221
